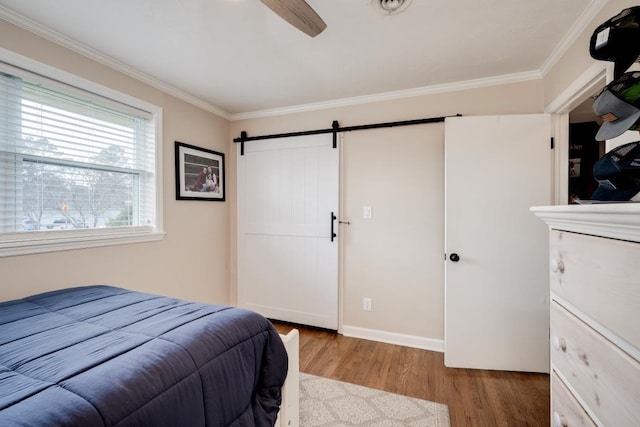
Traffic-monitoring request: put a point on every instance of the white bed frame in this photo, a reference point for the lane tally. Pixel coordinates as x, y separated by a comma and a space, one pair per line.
289, 415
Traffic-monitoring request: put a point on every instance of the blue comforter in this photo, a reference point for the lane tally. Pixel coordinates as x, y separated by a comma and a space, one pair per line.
105, 356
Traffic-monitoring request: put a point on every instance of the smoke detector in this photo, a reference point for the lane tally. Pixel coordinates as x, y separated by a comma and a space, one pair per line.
390, 7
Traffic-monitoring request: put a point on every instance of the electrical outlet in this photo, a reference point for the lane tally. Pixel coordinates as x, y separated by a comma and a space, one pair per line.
366, 304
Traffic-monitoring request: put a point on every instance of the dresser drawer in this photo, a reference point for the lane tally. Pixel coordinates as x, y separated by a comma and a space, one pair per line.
605, 377
565, 409
601, 277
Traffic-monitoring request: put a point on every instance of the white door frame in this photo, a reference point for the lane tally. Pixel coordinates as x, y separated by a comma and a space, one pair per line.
591, 79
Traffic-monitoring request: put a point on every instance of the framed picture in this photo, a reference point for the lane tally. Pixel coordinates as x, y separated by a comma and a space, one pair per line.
574, 167
199, 173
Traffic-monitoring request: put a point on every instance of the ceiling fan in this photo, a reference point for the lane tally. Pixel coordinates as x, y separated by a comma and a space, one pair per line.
299, 14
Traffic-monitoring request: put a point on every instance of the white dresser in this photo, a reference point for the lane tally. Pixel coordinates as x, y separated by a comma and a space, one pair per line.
595, 314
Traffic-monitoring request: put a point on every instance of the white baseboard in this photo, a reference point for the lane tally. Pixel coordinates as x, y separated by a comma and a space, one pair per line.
393, 338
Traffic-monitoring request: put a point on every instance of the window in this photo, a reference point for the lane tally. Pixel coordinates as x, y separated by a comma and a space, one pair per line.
76, 168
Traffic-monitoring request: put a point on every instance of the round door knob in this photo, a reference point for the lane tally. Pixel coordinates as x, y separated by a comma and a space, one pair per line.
454, 257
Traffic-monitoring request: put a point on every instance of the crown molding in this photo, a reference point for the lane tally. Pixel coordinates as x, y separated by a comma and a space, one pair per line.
572, 35
77, 47
574, 32
592, 78
567, 41
386, 96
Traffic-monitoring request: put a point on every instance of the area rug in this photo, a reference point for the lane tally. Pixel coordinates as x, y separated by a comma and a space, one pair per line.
330, 403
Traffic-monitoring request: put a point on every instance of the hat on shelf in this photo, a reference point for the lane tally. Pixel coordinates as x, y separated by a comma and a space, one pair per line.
618, 173
618, 105
618, 40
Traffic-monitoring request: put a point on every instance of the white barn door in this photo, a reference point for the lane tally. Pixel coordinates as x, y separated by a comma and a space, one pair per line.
496, 274
288, 192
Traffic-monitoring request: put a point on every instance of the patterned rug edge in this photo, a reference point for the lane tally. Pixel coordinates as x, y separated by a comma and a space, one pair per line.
330, 403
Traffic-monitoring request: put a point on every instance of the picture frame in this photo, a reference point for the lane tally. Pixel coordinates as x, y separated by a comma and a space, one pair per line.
199, 173
574, 167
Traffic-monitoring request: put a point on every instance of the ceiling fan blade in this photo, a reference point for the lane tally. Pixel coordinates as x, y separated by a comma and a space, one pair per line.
299, 14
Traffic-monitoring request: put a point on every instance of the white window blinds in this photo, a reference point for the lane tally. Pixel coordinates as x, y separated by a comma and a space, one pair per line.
71, 159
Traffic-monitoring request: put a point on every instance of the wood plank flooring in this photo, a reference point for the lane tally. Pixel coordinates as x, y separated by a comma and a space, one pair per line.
475, 397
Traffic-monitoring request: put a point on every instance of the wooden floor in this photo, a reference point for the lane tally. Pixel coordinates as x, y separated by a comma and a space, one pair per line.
474, 397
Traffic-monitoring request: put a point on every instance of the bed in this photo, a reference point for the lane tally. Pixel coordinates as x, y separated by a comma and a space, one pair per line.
106, 356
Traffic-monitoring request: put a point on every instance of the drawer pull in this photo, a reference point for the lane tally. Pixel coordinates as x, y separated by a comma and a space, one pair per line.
559, 420
557, 265
558, 343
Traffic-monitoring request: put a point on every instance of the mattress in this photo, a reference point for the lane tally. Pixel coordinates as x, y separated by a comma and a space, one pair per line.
106, 356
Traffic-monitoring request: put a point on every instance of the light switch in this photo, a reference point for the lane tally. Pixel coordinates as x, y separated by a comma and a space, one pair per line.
366, 212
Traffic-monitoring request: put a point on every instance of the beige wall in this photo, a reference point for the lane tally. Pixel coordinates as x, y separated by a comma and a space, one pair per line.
192, 261
395, 258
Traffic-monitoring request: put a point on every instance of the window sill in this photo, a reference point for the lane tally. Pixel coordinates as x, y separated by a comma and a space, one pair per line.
14, 244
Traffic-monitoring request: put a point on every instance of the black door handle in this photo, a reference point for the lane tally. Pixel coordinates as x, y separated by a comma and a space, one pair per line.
454, 257
333, 234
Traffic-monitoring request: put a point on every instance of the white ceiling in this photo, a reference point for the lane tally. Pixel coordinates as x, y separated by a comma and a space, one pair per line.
239, 58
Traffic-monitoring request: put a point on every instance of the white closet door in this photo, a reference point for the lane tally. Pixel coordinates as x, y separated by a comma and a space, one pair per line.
496, 294
287, 259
